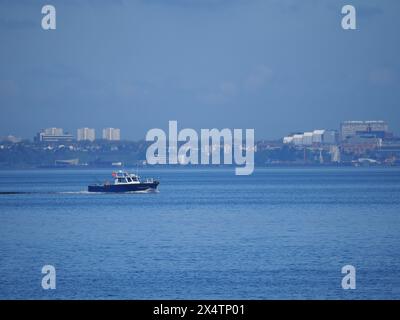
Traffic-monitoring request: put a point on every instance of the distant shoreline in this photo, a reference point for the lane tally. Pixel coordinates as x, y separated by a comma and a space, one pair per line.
199, 167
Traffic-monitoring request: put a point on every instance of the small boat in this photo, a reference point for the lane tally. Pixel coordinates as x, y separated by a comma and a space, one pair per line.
125, 182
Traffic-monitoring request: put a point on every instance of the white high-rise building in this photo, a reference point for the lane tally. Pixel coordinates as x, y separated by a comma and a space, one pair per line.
53, 131
112, 134
86, 134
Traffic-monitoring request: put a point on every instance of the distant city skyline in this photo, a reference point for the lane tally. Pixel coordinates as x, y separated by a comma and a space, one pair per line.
346, 128
82, 134
274, 66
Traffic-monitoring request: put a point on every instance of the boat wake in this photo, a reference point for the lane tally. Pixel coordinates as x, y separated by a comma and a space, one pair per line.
143, 191
73, 192
35, 192
15, 192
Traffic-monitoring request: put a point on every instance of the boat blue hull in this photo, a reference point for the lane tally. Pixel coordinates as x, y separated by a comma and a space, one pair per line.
124, 187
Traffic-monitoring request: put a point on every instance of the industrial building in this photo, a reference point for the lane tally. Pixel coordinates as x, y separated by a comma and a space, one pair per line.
375, 128
315, 137
53, 135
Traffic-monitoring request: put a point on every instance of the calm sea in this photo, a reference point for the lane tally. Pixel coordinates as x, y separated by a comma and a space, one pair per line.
281, 233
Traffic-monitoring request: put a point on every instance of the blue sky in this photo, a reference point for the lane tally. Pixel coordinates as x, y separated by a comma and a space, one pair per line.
273, 65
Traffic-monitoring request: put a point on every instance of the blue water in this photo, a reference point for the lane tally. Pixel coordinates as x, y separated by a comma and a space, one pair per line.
208, 234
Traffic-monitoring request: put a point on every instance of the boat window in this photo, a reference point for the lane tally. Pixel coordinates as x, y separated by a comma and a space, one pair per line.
129, 179
121, 180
